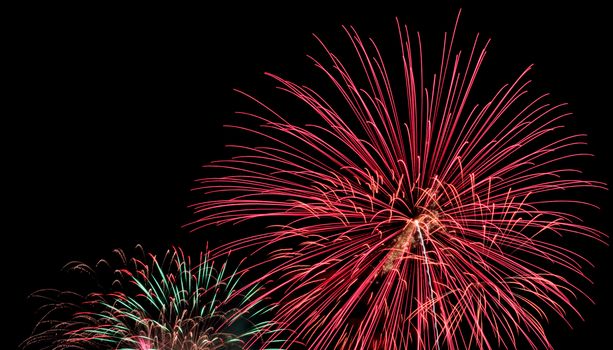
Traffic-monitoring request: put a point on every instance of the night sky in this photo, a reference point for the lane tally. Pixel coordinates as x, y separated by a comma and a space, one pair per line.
114, 110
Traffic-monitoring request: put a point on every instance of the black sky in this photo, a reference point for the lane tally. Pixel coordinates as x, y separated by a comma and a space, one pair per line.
111, 112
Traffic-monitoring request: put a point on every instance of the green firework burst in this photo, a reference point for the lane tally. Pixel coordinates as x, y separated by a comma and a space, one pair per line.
153, 304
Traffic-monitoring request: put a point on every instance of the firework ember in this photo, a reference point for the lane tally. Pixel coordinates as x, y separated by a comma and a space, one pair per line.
409, 216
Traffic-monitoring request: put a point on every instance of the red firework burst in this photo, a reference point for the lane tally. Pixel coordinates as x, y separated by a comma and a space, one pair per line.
411, 219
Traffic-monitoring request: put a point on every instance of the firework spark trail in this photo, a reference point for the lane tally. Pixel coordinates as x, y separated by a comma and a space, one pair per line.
170, 304
490, 186
423, 247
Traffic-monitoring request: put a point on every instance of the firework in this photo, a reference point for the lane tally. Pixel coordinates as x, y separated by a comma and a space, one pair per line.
152, 304
412, 218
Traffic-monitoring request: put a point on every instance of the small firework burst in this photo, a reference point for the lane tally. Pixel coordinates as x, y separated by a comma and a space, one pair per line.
155, 305
413, 219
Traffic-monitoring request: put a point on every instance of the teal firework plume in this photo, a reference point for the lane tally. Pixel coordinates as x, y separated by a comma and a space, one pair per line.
152, 304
